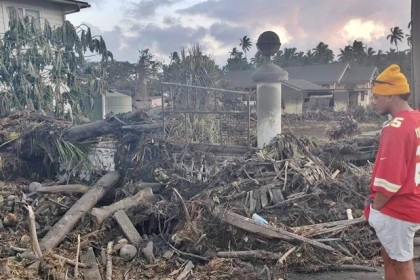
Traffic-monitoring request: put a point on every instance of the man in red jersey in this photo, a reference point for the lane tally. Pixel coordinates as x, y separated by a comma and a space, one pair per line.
393, 208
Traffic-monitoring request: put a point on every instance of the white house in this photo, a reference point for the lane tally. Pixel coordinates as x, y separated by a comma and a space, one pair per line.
54, 11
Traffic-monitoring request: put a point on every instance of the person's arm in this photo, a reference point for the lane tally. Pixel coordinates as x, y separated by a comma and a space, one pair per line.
391, 171
380, 200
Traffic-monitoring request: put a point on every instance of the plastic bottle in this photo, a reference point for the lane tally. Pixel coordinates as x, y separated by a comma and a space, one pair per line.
259, 219
349, 214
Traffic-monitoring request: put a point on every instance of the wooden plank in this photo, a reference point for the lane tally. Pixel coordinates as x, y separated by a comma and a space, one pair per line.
127, 227
91, 272
277, 195
264, 199
265, 230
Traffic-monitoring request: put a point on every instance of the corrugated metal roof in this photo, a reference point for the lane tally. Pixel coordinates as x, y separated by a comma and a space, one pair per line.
362, 74
243, 79
303, 85
318, 74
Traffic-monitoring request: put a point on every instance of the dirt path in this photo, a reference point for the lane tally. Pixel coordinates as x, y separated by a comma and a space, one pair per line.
346, 275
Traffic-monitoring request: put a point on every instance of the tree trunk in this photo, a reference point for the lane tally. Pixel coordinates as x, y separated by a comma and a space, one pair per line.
56, 235
415, 21
104, 127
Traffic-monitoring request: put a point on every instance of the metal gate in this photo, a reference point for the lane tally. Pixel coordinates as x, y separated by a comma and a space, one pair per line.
194, 114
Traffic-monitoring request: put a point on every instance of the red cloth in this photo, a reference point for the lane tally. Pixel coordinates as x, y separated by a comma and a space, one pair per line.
396, 172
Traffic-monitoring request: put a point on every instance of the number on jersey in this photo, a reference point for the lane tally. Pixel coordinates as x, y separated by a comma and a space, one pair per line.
417, 174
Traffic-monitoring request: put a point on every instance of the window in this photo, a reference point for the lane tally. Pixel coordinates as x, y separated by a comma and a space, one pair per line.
23, 12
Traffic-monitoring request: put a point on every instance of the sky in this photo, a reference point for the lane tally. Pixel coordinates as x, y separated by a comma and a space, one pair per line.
165, 26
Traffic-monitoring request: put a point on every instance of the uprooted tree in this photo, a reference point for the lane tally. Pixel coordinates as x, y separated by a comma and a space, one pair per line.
40, 66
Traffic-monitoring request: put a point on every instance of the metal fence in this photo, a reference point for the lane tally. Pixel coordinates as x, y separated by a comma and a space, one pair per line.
215, 116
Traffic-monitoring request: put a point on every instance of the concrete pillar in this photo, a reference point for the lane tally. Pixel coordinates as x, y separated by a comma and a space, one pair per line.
268, 78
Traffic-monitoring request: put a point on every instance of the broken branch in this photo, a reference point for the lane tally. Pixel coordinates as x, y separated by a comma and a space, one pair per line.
34, 236
142, 198
257, 254
54, 237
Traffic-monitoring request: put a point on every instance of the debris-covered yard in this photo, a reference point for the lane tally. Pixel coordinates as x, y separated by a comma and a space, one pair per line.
157, 217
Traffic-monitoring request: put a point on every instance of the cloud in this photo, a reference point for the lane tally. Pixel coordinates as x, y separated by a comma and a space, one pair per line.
228, 35
147, 8
162, 41
304, 23
165, 26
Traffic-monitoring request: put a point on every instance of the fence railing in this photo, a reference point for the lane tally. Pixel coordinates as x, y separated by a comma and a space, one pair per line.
195, 114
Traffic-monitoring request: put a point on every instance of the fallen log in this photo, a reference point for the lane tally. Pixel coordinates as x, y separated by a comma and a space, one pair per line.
104, 127
265, 230
76, 188
257, 254
56, 235
143, 198
127, 227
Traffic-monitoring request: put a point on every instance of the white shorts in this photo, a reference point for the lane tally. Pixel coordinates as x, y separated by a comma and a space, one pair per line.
396, 236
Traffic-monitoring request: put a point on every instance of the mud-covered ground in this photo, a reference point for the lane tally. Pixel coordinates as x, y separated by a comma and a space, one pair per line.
319, 128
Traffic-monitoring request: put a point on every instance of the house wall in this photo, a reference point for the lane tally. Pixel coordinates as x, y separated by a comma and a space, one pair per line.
317, 102
292, 101
341, 101
105, 104
52, 12
155, 102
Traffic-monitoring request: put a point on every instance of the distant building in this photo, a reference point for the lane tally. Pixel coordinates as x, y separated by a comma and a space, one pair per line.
297, 94
111, 102
54, 11
150, 103
337, 85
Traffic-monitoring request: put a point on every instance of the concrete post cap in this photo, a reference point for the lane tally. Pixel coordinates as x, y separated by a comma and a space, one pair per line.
269, 73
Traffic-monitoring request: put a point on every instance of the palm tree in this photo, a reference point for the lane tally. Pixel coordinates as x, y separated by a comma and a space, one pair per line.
258, 59
346, 54
245, 44
323, 54
234, 52
359, 52
409, 37
396, 35
370, 56
308, 58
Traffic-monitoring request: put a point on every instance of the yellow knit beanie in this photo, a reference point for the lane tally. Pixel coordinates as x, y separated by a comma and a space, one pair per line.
391, 82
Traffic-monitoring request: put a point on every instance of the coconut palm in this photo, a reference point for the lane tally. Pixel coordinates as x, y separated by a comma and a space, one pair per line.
234, 52
370, 56
396, 35
359, 52
323, 54
258, 59
409, 37
245, 44
346, 54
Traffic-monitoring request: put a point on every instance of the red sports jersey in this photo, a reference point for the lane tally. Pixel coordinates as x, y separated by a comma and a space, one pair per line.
396, 172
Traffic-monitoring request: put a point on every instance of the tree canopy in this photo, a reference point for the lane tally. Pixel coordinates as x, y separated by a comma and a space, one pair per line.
43, 68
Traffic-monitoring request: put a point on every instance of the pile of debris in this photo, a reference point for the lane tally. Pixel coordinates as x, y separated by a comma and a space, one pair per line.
154, 218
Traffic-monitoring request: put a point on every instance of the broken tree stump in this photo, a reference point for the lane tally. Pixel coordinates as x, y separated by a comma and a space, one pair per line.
56, 235
148, 252
91, 272
142, 198
127, 227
